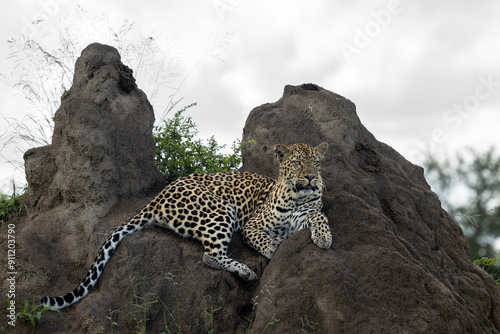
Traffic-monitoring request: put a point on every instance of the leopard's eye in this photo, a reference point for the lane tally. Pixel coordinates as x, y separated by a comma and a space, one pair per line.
297, 163
316, 163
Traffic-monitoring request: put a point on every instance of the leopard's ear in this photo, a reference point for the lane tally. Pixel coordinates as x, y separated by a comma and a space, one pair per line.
281, 152
321, 150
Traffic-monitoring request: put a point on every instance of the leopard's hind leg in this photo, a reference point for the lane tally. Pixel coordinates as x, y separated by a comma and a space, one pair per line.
223, 262
212, 225
216, 238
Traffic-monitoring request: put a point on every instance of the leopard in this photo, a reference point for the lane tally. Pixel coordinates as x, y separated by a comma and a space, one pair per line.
211, 207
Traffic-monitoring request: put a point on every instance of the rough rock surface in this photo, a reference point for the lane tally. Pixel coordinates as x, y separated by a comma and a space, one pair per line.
399, 263
102, 136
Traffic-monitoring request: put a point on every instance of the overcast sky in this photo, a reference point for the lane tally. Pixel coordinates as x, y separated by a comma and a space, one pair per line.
424, 75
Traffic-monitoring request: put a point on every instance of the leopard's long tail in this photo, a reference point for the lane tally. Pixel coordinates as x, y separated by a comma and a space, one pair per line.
103, 255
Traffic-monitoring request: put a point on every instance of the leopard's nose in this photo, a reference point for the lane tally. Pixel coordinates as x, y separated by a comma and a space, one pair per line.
310, 177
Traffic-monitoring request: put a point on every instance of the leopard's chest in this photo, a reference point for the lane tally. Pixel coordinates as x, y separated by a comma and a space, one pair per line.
287, 218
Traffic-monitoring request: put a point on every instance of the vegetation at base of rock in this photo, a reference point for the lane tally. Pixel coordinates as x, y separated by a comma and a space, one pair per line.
136, 312
264, 295
307, 324
141, 301
210, 314
9, 205
32, 315
179, 153
491, 266
477, 175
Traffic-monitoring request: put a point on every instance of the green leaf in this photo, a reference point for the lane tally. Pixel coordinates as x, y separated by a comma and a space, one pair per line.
179, 153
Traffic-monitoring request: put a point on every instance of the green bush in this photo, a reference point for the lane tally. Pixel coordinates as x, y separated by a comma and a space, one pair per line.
178, 153
491, 266
9, 205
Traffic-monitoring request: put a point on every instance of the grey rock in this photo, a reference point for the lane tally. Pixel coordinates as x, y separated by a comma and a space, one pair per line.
102, 147
398, 264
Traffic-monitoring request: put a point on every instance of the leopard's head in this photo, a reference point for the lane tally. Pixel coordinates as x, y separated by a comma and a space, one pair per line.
300, 167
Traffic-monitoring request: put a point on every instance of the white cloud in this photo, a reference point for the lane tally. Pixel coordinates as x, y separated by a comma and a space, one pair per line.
425, 59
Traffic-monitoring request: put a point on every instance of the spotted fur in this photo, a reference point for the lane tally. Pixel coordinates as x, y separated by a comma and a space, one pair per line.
211, 207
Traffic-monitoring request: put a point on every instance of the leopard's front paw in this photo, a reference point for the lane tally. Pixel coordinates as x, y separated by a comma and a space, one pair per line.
322, 240
321, 235
320, 230
273, 246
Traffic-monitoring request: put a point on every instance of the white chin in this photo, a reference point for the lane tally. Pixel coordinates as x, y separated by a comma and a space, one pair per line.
305, 192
